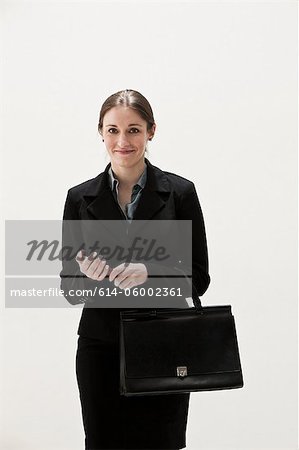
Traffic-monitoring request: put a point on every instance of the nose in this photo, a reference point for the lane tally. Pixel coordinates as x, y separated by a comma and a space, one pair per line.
123, 140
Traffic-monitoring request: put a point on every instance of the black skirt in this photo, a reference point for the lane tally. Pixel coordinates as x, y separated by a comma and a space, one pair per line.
112, 421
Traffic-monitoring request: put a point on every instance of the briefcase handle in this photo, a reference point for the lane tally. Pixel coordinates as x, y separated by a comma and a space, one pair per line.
195, 297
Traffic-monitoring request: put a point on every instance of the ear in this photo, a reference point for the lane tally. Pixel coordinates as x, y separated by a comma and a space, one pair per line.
152, 132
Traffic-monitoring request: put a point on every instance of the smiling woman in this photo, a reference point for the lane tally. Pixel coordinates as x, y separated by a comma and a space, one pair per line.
129, 189
125, 134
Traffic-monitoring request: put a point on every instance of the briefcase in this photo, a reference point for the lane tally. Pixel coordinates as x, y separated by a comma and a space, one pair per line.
183, 350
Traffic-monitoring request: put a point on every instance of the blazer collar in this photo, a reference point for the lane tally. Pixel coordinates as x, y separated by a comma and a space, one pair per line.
101, 203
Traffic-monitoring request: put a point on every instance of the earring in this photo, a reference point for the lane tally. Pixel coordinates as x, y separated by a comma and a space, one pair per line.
102, 140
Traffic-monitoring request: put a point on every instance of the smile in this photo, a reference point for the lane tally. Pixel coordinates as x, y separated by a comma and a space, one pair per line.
124, 151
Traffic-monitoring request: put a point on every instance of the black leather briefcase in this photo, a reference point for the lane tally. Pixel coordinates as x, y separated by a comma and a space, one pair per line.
168, 351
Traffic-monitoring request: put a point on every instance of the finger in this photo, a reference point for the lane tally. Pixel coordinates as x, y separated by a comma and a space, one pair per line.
120, 278
99, 268
110, 270
83, 262
116, 271
80, 257
96, 268
92, 262
127, 284
88, 261
103, 274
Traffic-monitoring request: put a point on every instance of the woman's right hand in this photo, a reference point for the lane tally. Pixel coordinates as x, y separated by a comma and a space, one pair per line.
92, 266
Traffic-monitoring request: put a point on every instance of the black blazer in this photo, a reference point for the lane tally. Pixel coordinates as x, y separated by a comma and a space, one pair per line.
166, 196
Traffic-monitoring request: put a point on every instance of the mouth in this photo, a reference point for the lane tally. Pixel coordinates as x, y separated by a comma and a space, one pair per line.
124, 152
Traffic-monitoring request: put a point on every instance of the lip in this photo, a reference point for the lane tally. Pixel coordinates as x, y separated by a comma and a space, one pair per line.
124, 151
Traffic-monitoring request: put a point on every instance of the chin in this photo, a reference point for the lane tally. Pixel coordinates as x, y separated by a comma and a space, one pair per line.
128, 162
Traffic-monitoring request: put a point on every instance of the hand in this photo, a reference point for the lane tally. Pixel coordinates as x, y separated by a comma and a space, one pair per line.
129, 275
92, 266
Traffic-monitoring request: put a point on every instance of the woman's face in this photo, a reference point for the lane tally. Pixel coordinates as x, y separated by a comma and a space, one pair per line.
125, 135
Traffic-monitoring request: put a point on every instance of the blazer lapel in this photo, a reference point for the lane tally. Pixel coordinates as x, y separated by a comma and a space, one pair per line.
100, 200
101, 203
155, 194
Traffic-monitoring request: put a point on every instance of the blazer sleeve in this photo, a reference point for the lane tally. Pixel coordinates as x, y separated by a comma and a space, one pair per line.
188, 208
72, 279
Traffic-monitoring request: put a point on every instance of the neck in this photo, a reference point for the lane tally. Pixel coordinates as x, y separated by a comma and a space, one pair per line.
128, 176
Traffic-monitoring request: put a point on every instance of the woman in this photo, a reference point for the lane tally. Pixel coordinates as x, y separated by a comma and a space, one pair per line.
129, 189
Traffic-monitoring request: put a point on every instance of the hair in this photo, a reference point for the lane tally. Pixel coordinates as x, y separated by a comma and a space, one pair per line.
132, 99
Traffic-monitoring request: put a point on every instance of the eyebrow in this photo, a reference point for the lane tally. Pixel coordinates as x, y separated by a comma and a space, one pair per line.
131, 125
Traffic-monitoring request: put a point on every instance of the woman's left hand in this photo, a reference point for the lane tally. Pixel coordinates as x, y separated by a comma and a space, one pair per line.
127, 276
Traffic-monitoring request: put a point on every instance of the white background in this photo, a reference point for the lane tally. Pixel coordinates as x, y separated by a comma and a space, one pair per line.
221, 79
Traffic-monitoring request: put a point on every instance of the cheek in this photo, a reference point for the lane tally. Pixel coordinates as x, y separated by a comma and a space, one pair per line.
109, 140
141, 140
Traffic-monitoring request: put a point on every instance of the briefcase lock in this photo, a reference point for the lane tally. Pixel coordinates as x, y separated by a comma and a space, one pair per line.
181, 371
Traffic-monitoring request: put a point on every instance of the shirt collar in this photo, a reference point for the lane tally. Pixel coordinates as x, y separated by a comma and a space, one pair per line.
114, 181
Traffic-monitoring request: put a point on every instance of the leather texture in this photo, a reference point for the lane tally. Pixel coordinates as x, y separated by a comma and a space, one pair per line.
201, 339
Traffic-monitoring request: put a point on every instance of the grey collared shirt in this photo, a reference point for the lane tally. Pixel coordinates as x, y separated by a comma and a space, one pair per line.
136, 192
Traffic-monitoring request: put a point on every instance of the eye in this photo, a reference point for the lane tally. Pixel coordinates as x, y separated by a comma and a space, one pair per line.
111, 129
136, 130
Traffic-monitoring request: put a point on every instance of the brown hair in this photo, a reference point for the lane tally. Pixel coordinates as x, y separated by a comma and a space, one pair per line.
129, 98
